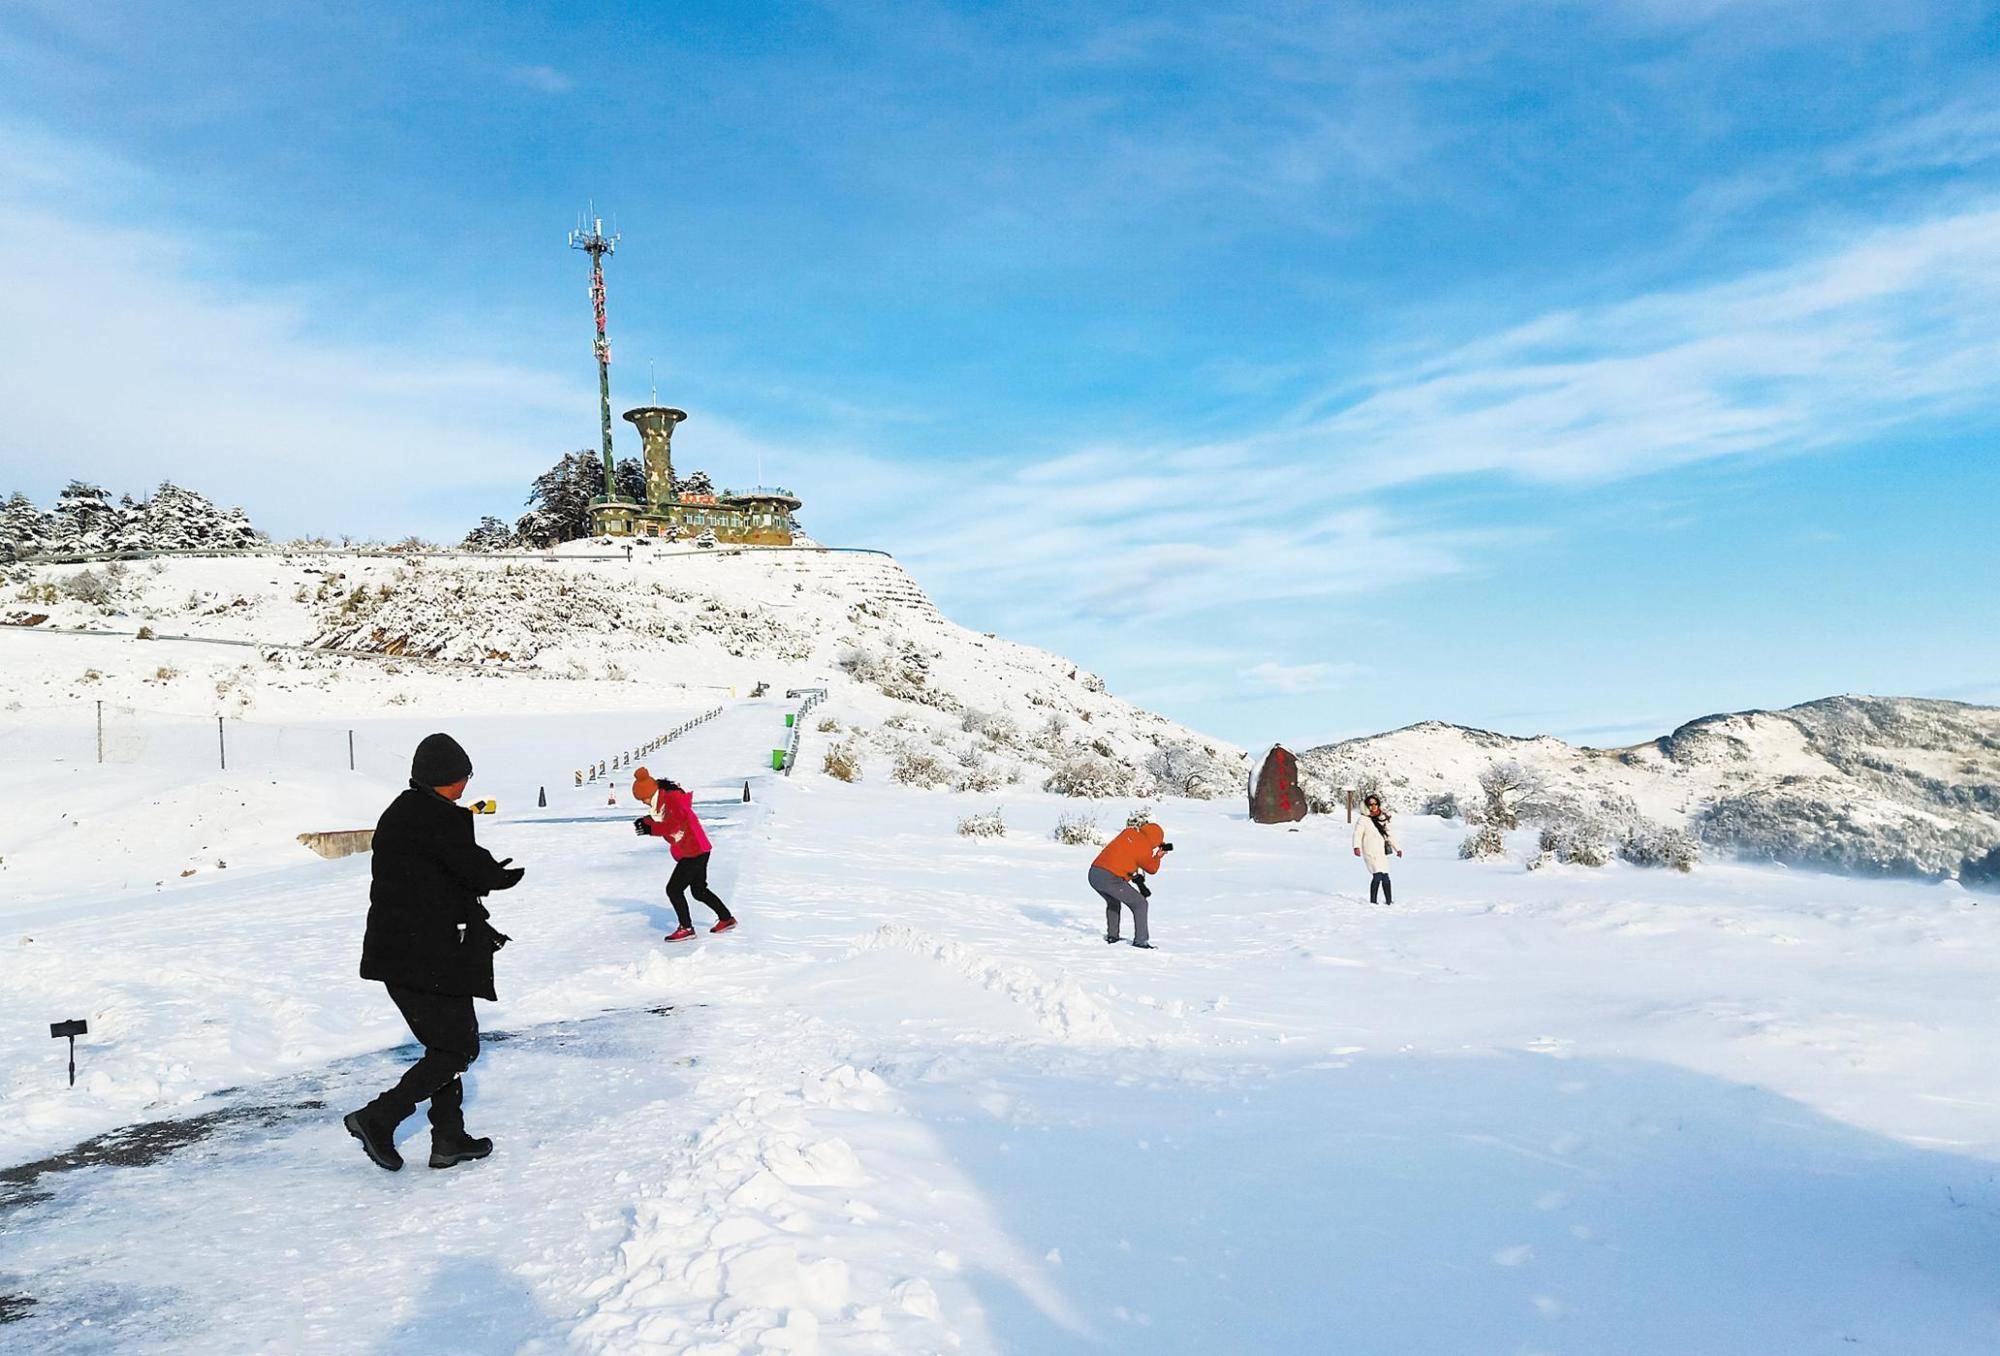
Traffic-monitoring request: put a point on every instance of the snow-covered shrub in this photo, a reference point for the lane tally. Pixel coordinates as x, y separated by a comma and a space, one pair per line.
1444, 805
1648, 844
995, 726
980, 779
987, 824
706, 540
1373, 783
1185, 768
96, 587
828, 725
1507, 787
1142, 814
1090, 777
1484, 841
915, 768
1077, 830
841, 763
1576, 842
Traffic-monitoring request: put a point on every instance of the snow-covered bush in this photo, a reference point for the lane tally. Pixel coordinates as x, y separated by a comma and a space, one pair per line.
706, 540
1484, 841
1648, 844
1142, 814
828, 725
1575, 842
980, 779
1185, 768
841, 763
1507, 787
916, 768
1089, 777
95, 587
995, 726
1444, 805
987, 824
1077, 830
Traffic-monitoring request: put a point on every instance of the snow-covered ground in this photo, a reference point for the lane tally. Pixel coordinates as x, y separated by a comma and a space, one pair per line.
915, 1104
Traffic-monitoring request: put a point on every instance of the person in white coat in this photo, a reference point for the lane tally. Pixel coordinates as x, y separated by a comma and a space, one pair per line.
1373, 843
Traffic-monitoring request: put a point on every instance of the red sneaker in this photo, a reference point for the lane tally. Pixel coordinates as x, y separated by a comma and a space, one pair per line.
680, 934
724, 925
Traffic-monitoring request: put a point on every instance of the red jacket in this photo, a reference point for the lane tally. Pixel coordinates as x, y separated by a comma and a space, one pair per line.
673, 818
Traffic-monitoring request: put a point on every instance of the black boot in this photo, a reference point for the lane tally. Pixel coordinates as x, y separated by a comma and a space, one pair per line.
448, 1148
378, 1140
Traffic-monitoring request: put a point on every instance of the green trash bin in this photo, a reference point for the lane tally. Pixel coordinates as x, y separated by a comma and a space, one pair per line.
777, 760
790, 717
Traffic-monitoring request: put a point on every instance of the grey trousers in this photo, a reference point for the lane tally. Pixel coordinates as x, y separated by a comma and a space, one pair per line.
1118, 891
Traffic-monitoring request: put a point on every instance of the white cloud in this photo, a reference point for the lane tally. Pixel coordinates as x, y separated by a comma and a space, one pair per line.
1899, 324
543, 79
1293, 680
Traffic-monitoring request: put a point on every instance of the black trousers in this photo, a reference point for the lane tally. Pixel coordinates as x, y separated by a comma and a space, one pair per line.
1380, 882
450, 1034
691, 878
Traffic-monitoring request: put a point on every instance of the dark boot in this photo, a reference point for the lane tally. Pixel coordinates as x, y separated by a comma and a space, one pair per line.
377, 1136
449, 1149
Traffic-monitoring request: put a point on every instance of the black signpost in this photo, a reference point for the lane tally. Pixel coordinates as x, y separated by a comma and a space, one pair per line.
73, 1028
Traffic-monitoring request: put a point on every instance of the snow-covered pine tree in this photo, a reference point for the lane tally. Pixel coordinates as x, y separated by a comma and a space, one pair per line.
705, 540
177, 519
24, 529
698, 483
632, 480
559, 499
490, 535
85, 519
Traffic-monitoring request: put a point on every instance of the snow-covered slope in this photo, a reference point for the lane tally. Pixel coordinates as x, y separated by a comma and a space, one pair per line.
915, 1104
1878, 784
608, 632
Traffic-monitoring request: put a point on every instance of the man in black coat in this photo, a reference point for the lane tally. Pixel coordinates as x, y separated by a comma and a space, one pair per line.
429, 941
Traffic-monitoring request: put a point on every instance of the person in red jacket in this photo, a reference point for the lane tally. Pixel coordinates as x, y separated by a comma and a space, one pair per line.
670, 815
1119, 877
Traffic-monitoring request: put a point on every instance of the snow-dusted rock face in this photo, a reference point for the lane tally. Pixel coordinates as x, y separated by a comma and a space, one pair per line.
1872, 784
919, 698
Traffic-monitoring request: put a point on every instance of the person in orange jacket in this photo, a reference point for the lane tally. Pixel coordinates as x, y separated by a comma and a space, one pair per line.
1119, 877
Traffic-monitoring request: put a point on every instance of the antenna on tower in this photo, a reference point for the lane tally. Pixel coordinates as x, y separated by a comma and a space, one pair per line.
654, 378
597, 244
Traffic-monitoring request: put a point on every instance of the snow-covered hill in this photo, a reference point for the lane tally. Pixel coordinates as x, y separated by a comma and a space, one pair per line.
1872, 784
926, 700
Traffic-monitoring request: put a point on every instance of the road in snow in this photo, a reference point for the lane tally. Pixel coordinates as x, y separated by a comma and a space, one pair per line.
916, 1104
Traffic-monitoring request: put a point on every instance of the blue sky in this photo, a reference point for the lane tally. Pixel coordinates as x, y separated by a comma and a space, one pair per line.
1306, 370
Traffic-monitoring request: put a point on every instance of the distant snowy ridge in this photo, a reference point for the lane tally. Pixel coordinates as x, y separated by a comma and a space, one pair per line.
1896, 785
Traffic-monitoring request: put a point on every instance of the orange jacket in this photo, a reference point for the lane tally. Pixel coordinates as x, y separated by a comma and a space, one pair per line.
1134, 850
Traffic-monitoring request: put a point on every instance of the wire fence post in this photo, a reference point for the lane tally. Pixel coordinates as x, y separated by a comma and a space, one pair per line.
350, 750
100, 732
221, 745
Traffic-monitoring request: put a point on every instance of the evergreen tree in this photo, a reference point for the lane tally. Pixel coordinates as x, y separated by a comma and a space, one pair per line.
490, 535
85, 519
698, 483
632, 480
560, 499
24, 529
176, 519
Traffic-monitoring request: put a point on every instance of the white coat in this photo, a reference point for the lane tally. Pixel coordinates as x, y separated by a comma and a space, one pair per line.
1375, 849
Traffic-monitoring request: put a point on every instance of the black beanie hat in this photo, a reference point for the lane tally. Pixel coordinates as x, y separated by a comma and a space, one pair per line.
439, 762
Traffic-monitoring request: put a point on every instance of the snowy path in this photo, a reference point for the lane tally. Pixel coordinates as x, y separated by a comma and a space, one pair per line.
916, 1105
